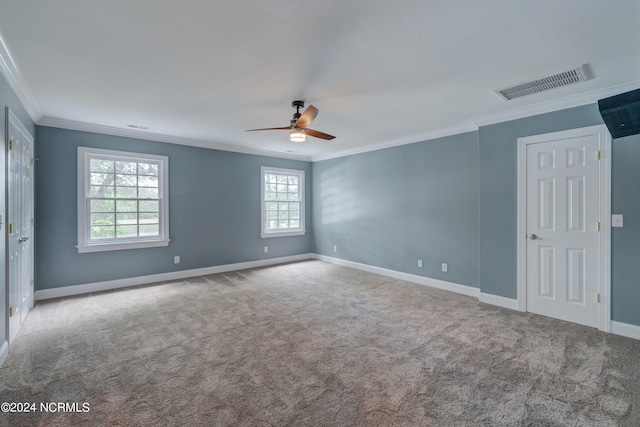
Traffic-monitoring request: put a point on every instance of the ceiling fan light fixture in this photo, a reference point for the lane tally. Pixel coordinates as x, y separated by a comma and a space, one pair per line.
297, 135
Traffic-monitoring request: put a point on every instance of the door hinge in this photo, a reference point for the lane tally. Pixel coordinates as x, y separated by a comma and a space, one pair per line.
10, 311
10, 228
31, 160
598, 226
597, 297
31, 222
598, 155
31, 282
11, 144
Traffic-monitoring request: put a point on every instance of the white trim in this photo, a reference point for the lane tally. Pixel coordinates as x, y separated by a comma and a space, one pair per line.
13, 76
421, 280
510, 303
625, 330
264, 233
156, 137
84, 240
4, 351
66, 291
604, 268
412, 139
573, 101
268, 235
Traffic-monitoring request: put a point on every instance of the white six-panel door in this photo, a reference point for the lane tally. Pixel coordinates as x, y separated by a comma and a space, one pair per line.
20, 223
564, 225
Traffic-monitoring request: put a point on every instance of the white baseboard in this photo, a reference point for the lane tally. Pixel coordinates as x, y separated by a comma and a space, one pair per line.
510, 303
625, 329
4, 352
66, 291
434, 283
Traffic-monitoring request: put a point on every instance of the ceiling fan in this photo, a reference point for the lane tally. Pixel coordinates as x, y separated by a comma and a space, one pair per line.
298, 130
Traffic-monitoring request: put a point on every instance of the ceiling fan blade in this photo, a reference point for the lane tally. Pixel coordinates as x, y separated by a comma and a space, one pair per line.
282, 128
307, 117
319, 134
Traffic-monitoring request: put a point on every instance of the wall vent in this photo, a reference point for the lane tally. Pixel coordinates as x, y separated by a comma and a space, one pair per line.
565, 78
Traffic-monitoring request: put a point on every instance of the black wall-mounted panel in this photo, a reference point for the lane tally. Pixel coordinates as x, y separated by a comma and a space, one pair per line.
621, 113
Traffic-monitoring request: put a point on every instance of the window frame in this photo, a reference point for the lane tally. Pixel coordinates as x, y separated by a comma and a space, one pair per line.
85, 243
299, 231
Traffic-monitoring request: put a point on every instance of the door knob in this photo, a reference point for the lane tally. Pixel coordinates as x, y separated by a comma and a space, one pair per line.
533, 237
23, 239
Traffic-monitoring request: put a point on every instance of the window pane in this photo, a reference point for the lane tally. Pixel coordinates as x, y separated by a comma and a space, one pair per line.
127, 231
148, 193
126, 180
282, 188
149, 230
102, 191
149, 206
102, 206
127, 167
102, 219
272, 223
270, 196
126, 205
283, 215
270, 178
294, 223
293, 180
147, 169
97, 165
148, 181
126, 192
103, 232
282, 196
101, 178
126, 218
272, 206
281, 179
272, 214
149, 218
294, 206
293, 196
283, 206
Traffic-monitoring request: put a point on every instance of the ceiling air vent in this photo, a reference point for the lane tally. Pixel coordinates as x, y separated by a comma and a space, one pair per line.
565, 78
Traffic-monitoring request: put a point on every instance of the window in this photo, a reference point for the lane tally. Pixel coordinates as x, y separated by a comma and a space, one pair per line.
123, 200
282, 202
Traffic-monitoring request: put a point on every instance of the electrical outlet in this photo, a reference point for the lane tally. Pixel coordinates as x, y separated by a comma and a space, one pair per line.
419, 263
445, 267
335, 248
176, 259
266, 249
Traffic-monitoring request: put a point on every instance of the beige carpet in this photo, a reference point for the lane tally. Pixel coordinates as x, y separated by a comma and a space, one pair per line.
312, 344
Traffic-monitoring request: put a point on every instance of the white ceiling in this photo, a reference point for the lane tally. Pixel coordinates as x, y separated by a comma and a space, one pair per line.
380, 72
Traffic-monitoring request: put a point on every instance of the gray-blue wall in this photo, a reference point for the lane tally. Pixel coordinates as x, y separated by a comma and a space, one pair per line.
214, 211
391, 207
7, 99
625, 242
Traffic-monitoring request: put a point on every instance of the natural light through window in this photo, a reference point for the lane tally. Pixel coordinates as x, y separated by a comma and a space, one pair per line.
122, 200
282, 202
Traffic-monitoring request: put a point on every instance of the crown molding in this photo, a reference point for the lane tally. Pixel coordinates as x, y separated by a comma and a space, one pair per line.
439, 133
169, 139
555, 105
13, 76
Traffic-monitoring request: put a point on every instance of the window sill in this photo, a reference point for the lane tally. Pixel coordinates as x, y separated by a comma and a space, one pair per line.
268, 234
103, 247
